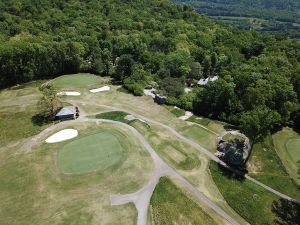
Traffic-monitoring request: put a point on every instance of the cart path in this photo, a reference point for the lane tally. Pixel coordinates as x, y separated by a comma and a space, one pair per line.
141, 198
196, 146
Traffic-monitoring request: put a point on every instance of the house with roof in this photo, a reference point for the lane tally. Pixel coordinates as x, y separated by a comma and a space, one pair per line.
205, 81
68, 112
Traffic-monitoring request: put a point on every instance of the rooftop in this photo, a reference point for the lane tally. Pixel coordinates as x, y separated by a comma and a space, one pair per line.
68, 110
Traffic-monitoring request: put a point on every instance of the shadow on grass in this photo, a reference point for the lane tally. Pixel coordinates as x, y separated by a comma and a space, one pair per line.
41, 120
287, 212
233, 173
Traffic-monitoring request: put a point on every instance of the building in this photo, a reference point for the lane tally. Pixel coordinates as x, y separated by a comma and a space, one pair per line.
204, 82
160, 99
68, 112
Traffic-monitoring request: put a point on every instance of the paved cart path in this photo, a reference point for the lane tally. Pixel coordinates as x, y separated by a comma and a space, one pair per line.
142, 197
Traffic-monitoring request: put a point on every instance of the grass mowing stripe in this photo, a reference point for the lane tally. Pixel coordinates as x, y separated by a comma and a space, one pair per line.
293, 148
170, 205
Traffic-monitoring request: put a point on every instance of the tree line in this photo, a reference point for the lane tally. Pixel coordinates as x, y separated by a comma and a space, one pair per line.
141, 42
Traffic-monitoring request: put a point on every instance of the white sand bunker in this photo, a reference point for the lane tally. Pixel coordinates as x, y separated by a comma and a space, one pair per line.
186, 116
62, 135
68, 93
102, 89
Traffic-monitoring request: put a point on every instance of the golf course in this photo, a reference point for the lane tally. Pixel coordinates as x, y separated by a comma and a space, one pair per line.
130, 160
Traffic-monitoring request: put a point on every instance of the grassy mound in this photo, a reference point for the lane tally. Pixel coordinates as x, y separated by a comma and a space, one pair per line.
170, 205
90, 153
286, 143
77, 81
293, 148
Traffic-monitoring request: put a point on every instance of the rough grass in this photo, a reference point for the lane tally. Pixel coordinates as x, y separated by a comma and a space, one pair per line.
78, 81
33, 191
92, 153
175, 111
170, 205
201, 136
251, 201
288, 149
266, 166
16, 124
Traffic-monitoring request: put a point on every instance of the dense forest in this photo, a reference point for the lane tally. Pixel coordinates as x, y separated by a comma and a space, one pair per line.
270, 16
139, 42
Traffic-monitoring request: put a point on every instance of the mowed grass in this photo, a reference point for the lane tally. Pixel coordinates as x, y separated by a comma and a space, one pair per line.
92, 153
265, 165
204, 137
213, 125
170, 205
78, 81
293, 148
249, 200
114, 115
34, 191
287, 146
175, 111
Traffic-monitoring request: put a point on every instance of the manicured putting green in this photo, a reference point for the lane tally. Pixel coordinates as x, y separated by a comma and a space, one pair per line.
94, 152
293, 148
77, 81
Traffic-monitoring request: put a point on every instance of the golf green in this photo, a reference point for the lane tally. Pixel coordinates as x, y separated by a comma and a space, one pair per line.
94, 152
293, 148
77, 81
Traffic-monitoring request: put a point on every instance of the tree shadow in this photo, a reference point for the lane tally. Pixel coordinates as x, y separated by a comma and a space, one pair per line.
233, 173
40, 119
287, 212
230, 127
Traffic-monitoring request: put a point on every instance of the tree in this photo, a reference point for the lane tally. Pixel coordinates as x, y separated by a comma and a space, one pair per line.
257, 122
287, 212
217, 100
49, 102
124, 67
196, 71
172, 87
137, 81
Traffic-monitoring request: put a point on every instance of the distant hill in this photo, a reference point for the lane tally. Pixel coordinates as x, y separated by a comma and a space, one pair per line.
266, 15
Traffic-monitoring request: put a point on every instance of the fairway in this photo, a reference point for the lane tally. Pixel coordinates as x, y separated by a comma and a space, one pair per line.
287, 145
94, 152
293, 148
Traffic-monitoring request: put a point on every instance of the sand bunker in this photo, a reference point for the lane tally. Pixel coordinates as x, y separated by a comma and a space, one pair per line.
62, 135
186, 116
68, 93
102, 89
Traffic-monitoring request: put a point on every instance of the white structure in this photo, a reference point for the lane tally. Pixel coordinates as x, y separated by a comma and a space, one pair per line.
186, 116
150, 92
68, 112
204, 82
